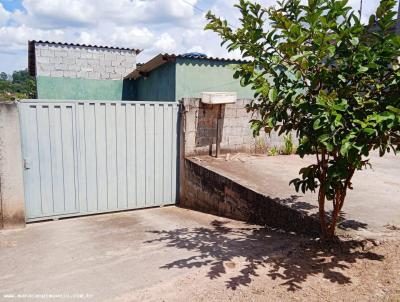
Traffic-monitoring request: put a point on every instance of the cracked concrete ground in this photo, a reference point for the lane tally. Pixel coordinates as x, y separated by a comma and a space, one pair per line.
372, 209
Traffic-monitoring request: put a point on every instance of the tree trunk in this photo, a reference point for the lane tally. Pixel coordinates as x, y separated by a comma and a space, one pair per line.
322, 216
337, 206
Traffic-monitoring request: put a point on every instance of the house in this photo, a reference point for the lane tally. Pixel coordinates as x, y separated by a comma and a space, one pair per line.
80, 72
169, 77
90, 72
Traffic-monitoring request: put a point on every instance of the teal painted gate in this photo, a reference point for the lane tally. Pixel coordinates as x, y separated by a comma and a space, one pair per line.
86, 157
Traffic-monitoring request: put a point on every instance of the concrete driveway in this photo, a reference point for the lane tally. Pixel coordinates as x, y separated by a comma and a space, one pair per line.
122, 256
172, 254
96, 258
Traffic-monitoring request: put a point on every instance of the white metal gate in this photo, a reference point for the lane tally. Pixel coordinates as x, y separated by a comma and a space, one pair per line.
86, 157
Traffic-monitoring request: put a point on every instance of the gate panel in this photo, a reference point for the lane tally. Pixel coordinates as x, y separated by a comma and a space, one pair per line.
94, 157
48, 132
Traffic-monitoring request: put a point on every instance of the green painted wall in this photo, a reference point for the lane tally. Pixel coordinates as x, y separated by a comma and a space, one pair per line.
84, 89
196, 76
159, 85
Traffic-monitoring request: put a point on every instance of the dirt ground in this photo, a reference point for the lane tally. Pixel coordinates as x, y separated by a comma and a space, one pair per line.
249, 268
173, 254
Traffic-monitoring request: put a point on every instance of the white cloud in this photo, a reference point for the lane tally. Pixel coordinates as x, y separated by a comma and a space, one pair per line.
83, 13
4, 15
156, 26
165, 43
16, 38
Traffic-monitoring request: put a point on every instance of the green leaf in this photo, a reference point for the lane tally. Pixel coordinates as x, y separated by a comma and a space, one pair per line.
362, 69
344, 150
273, 94
317, 124
393, 109
324, 137
342, 78
369, 131
354, 41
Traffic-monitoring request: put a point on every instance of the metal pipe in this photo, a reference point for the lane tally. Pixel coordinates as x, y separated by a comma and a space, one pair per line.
217, 142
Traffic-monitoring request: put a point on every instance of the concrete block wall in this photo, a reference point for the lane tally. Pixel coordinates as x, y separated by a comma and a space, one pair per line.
200, 128
97, 63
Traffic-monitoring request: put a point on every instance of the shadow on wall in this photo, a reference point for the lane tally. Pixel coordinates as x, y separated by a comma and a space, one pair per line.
128, 90
286, 257
307, 207
206, 128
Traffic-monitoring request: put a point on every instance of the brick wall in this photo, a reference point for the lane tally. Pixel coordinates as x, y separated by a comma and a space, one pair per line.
206, 191
200, 128
57, 60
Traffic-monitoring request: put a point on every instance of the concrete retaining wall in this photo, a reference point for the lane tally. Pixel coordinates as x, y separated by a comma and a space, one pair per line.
12, 205
206, 191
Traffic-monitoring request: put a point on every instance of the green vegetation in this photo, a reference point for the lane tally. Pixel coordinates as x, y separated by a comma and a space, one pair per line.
17, 86
273, 151
260, 146
318, 71
288, 147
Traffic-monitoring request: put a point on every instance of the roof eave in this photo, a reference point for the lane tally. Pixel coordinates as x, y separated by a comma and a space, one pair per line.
154, 63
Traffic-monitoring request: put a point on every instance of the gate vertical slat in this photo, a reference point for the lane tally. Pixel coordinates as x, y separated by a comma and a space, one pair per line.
69, 159
111, 154
140, 156
57, 159
174, 159
90, 157
81, 157
101, 160
45, 159
159, 156
167, 171
131, 154
149, 141
122, 202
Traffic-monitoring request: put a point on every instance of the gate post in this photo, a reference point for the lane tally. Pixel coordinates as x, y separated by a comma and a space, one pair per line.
12, 203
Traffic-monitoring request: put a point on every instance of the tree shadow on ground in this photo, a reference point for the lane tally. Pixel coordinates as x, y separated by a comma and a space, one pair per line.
300, 206
288, 257
307, 208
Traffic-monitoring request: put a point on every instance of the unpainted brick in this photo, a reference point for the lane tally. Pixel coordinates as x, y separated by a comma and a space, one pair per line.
82, 74
70, 62
42, 60
87, 69
73, 53
47, 53
69, 74
55, 60
235, 140
56, 73
61, 53
94, 75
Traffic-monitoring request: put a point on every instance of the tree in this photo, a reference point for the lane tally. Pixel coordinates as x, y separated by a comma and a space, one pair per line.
318, 71
3, 76
21, 86
20, 76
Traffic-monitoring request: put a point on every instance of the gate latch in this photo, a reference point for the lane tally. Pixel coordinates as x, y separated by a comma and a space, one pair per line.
27, 164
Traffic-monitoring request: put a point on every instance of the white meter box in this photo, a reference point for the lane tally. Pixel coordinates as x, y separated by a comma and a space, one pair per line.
219, 97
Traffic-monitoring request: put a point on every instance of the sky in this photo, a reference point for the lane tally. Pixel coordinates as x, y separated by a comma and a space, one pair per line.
156, 26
